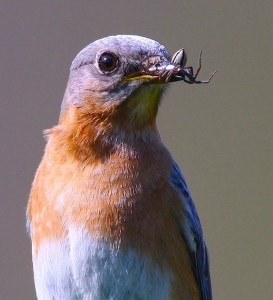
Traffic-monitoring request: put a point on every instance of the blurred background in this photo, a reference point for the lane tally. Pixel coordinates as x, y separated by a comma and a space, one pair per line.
221, 133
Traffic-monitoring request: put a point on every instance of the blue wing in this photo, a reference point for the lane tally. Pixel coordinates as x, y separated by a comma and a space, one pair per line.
192, 232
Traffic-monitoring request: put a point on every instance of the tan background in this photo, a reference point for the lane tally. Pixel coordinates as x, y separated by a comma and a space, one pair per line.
221, 134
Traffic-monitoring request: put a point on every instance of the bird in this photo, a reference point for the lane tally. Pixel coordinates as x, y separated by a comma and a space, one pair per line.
110, 215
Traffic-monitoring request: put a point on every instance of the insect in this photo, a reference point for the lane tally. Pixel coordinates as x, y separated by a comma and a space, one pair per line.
186, 73
176, 71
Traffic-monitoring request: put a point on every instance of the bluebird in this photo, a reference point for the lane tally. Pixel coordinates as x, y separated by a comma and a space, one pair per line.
110, 215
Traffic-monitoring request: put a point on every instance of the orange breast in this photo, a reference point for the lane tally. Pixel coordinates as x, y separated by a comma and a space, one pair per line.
125, 199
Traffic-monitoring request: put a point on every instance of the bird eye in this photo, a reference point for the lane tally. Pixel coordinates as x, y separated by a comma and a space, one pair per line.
108, 62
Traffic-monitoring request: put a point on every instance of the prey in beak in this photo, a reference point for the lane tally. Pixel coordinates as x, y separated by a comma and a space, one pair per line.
186, 73
159, 69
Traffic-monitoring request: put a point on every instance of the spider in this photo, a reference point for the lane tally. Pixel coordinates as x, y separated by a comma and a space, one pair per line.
186, 73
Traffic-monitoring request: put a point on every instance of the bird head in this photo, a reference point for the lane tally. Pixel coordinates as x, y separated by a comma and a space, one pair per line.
116, 84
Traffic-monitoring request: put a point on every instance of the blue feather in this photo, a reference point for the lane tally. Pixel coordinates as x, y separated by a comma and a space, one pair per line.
192, 233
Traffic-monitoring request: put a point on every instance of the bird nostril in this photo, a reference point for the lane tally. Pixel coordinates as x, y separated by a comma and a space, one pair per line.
108, 62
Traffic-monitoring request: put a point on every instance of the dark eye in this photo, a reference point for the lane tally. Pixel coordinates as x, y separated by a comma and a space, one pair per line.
108, 62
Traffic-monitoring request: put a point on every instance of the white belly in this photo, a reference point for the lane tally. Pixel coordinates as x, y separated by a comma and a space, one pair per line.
84, 268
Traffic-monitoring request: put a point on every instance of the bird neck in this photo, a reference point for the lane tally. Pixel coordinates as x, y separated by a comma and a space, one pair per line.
86, 135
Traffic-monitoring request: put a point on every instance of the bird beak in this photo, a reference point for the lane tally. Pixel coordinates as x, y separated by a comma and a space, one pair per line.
161, 72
